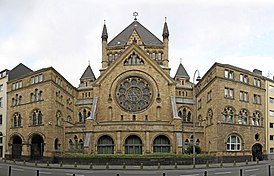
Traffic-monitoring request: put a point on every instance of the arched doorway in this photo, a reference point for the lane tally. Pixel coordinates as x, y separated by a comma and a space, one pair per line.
133, 145
37, 146
16, 147
257, 152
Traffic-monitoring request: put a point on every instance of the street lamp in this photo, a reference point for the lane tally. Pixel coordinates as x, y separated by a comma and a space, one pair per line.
194, 112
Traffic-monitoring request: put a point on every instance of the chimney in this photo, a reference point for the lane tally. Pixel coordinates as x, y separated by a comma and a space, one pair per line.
259, 72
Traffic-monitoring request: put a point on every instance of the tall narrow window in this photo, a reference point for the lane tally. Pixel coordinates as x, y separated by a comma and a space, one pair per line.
228, 115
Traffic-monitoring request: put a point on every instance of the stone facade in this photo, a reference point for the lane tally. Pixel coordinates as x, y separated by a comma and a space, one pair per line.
135, 106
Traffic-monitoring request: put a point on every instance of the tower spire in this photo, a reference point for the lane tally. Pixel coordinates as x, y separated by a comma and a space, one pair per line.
165, 30
104, 33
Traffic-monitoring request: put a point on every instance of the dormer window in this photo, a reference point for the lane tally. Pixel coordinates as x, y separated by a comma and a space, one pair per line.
134, 60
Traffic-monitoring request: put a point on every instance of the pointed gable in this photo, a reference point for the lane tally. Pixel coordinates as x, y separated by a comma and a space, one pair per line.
134, 38
18, 71
146, 36
88, 74
181, 72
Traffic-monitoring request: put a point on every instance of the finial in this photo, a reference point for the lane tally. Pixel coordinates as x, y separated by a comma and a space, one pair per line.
89, 62
165, 19
104, 21
135, 14
180, 60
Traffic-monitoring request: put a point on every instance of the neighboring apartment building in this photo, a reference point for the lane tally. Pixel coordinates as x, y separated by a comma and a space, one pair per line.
269, 114
231, 105
3, 110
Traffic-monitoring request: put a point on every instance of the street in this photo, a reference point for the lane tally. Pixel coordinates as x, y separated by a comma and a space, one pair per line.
16, 170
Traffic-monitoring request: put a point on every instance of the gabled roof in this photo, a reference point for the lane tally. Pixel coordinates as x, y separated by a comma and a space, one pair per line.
181, 72
88, 74
146, 36
18, 71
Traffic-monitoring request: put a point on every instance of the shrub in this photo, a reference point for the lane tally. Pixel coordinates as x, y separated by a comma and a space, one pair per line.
190, 149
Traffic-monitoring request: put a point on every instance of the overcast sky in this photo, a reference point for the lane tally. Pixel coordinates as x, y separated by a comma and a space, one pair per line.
66, 34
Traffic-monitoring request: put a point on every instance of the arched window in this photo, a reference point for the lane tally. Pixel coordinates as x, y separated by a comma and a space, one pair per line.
133, 145
188, 117
16, 120
36, 118
58, 118
256, 119
80, 117
105, 145
56, 144
161, 144
228, 115
71, 145
243, 117
185, 114
233, 143
76, 142
134, 60
209, 117
83, 115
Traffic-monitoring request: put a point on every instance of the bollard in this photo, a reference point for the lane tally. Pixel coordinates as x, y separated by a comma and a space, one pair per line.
124, 165
75, 164
246, 162
24, 162
61, 164
47, 163
269, 170
37, 173
207, 164
164, 174
221, 164
14, 161
9, 170
205, 173
107, 166
175, 166
257, 160
159, 165
5, 160
117, 175
35, 163
141, 166
234, 163
73, 174
241, 172
90, 166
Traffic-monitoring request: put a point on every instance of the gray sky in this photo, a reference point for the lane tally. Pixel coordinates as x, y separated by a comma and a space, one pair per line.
66, 34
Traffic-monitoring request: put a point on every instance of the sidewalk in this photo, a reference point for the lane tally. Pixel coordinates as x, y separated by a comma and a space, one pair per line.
122, 167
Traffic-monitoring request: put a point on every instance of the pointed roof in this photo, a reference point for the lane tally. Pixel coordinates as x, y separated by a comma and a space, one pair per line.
146, 36
165, 31
181, 72
104, 33
88, 74
18, 71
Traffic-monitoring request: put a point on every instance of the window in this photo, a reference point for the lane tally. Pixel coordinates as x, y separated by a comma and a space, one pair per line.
1, 102
256, 99
1, 119
153, 56
17, 120
271, 113
133, 60
243, 117
233, 143
83, 115
1, 138
58, 118
185, 114
133, 145
271, 125
257, 82
1, 87
244, 78
271, 150
228, 115
271, 88
271, 100
110, 59
36, 118
199, 103
159, 56
229, 74
209, 117
229, 93
209, 95
243, 96
161, 144
105, 145
36, 79
256, 119
271, 137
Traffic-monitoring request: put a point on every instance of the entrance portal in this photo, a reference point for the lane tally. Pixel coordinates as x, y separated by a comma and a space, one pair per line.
37, 147
16, 147
257, 152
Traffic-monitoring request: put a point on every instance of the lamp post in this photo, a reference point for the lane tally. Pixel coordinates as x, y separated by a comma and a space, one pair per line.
194, 112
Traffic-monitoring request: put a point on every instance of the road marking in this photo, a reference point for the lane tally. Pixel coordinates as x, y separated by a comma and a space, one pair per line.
17, 169
250, 170
221, 173
190, 175
49, 173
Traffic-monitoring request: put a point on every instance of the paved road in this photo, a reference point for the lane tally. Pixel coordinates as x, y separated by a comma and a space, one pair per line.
254, 170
